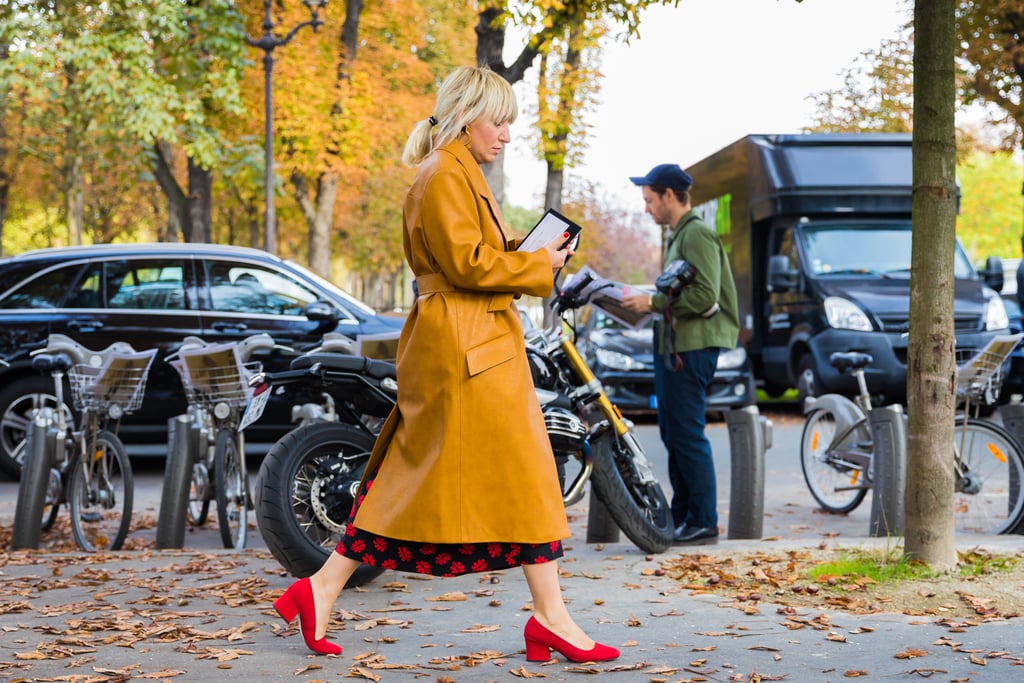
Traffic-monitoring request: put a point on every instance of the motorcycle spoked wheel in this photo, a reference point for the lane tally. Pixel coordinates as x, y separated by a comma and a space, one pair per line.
641, 510
292, 523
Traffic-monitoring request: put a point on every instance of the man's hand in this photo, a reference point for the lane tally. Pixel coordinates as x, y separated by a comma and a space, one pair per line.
641, 303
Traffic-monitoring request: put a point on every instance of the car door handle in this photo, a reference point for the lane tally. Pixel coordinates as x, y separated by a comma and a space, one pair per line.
229, 327
85, 325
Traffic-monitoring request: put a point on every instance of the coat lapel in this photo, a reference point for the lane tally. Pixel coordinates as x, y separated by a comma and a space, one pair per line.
479, 182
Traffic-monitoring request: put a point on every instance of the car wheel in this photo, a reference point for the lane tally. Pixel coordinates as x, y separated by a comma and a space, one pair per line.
18, 403
808, 384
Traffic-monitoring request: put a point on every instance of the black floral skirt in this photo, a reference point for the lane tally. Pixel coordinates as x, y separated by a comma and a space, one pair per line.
438, 559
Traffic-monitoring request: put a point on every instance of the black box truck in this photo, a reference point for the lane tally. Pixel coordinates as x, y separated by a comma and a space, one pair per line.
818, 231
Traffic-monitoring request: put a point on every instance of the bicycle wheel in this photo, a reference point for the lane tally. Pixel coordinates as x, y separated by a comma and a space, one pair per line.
832, 480
100, 495
199, 493
989, 497
231, 489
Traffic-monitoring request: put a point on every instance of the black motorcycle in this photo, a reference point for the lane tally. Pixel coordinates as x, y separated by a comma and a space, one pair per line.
308, 480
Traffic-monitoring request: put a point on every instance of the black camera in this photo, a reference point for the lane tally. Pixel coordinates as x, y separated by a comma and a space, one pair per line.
678, 275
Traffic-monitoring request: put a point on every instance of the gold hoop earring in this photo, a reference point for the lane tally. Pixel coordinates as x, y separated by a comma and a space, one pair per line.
469, 136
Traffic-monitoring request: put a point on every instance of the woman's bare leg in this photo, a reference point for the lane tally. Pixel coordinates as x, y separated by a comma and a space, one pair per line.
327, 584
549, 607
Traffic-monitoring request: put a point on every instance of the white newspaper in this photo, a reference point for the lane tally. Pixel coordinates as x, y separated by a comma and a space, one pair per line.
607, 295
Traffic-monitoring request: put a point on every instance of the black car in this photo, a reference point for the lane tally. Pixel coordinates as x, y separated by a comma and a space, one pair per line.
1013, 380
623, 359
154, 295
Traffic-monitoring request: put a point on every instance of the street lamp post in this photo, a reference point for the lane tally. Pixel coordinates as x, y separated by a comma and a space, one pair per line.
268, 42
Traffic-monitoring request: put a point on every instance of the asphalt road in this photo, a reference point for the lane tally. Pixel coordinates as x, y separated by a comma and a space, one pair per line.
790, 512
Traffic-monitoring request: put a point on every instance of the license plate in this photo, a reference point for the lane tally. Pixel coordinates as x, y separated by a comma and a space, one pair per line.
254, 410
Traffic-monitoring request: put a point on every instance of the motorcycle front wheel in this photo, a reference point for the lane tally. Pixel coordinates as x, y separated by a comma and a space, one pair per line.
304, 492
640, 509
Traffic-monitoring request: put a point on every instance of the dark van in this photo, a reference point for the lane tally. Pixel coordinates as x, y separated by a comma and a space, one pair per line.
818, 229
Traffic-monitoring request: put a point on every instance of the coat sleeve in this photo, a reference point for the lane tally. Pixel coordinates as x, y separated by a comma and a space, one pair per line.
454, 219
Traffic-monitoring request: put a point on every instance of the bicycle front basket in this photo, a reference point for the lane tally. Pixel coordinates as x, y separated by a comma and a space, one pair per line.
120, 380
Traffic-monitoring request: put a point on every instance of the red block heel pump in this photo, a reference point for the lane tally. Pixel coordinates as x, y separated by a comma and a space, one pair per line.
298, 600
540, 641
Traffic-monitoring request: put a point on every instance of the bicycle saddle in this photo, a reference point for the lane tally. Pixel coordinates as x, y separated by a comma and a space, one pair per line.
80, 355
48, 362
850, 360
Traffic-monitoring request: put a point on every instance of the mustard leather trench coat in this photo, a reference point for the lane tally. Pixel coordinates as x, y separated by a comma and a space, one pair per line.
464, 455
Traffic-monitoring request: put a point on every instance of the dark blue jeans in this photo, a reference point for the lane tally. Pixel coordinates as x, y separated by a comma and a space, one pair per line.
682, 397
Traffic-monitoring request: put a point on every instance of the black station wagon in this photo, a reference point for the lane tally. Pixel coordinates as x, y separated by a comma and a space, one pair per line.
154, 295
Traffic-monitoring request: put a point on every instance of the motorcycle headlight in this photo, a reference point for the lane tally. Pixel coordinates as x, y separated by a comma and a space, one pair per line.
616, 361
730, 360
845, 315
995, 314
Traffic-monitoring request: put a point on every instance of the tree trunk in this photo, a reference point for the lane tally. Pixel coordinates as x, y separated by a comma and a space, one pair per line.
74, 196
931, 371
6, 175
200, 203
350, 29
177, 206
318, 212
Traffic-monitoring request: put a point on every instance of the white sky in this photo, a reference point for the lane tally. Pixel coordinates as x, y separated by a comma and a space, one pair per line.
703, 75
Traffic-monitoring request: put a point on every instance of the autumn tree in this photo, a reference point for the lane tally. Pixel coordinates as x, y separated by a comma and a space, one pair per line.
547, 21
991, 34
877, 96
617, 243
567, 85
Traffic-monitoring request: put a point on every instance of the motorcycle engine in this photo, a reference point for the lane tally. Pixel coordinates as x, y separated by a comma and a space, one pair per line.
566, 431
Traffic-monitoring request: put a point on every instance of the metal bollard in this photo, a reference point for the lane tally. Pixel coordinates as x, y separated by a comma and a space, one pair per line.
1012, 415
749, 436
170, 530
889, 470
35, 476
601, 528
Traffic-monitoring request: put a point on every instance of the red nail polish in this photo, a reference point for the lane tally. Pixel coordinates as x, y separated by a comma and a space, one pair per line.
565, 234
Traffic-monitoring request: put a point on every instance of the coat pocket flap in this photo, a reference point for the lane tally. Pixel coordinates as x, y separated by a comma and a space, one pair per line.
494, 352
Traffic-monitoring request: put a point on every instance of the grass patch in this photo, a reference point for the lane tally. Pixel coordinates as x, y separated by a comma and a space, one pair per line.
886, 565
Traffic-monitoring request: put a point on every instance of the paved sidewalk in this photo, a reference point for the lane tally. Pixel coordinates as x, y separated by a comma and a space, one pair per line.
205, 615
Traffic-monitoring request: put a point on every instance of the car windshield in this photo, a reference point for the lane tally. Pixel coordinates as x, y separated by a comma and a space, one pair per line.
881, 249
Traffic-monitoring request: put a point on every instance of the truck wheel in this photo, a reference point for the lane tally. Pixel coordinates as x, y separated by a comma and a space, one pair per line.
808, 383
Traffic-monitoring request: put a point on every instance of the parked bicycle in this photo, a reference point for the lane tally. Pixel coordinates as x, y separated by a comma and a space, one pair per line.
85, 468
836, 446
219, 382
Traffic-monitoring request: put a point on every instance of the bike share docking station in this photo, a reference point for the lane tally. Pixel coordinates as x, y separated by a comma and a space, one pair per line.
1012, 415
888, 474
750, 435
174, 497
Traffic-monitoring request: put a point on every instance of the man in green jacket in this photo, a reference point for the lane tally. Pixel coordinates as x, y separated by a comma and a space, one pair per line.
693, 328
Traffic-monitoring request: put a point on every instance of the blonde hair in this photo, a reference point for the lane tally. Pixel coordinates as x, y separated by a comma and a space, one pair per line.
465, 95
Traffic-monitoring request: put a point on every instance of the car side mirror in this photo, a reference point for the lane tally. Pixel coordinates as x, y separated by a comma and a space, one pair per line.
782, 278
993, 273
321, 311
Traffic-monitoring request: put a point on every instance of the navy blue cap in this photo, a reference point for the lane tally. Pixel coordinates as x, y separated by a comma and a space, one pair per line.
666, 175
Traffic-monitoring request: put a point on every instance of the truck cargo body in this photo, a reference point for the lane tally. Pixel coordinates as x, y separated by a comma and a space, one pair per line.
818, 230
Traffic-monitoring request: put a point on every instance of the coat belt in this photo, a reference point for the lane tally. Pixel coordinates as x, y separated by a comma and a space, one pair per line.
437, 282
433, 282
